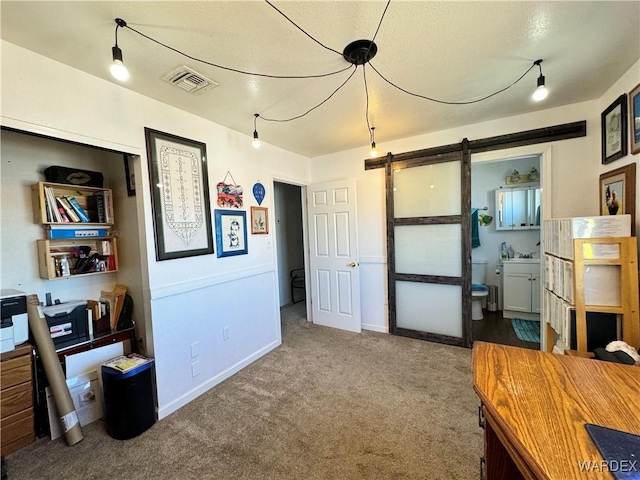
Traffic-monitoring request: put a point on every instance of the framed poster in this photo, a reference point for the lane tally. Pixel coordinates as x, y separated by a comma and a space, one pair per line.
614, 130
129, 174
231, 232
180, 195
634, 120
618, 193
259, 220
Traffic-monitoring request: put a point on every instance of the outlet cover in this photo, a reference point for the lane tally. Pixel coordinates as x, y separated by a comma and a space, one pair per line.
225, 333
195, 349
196, 369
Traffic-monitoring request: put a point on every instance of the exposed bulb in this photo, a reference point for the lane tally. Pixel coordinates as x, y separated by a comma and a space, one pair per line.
118, 70
515, 176
541, 92
534, 176
374, 150
256, 141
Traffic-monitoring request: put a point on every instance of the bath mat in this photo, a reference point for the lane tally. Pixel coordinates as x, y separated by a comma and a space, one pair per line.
526, 330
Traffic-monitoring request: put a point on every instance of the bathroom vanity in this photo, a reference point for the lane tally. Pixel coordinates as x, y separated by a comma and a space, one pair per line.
522, 288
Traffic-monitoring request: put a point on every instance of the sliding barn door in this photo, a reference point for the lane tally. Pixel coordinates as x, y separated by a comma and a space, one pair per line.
429, 246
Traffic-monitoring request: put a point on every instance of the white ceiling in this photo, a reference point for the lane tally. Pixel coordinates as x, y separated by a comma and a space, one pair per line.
448, 50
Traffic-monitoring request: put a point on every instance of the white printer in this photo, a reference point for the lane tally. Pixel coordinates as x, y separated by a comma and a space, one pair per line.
15, 325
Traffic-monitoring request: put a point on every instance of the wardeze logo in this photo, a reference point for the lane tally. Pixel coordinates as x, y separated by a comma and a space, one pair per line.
622, 466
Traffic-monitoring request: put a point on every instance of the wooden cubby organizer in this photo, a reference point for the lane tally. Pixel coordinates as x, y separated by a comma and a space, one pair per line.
95, 234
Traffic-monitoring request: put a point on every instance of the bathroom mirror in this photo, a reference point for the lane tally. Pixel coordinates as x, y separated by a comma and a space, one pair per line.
518, 208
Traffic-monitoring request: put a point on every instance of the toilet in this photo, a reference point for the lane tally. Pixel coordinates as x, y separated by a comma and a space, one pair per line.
478, 289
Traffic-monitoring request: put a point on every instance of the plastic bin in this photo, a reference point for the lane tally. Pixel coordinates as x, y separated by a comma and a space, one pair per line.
492, 298
129, 407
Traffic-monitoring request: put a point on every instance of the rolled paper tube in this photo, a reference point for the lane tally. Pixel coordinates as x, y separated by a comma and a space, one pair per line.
53, 370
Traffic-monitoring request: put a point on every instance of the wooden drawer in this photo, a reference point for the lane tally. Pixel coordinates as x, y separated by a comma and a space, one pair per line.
16, 426
18, 444
15, 371
15, 399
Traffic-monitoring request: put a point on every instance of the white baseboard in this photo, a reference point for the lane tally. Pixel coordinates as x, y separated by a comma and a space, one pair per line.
180, 402
375, 328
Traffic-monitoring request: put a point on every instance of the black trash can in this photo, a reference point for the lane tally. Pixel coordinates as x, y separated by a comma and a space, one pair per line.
129, 408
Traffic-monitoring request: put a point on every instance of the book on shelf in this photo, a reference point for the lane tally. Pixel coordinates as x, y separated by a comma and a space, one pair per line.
52, 205
71, 214
55, 232
126, 363
96, 203
75, 205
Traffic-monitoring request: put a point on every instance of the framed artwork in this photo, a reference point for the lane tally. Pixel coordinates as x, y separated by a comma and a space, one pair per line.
634, 121
231, 232
130, 175
180, 195
259, 220
618, 193
614, 130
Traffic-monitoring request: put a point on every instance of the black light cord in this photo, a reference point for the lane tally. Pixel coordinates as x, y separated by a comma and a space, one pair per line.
380, 22
301, 29
366, 91
451, 103
229, 68
312, 108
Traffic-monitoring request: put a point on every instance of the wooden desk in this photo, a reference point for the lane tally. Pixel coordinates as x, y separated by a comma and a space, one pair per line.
536, 405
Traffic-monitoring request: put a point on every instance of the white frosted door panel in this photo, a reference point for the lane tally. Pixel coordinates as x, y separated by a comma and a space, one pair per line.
430, 190
429, 249
343, 249
429, 308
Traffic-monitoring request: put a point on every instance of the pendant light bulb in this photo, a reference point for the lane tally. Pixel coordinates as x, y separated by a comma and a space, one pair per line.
374, 151
541, 92
117, 69
256, 141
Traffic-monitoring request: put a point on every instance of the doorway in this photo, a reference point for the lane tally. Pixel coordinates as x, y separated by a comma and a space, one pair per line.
290, 250
511, 308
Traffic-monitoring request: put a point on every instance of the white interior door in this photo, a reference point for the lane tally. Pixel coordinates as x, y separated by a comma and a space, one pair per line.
333, 255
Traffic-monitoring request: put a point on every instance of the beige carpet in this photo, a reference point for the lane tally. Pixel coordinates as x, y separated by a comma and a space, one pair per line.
327, 404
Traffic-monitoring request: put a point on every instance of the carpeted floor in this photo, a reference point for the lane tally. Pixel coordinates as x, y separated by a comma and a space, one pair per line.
327, 404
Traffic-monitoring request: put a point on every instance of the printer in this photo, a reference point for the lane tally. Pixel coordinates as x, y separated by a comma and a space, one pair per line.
15, 323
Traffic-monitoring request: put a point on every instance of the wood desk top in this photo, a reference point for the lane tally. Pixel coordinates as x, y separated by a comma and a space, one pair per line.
541, 402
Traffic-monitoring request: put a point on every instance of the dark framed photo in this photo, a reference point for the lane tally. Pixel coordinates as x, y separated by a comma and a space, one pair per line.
130, 175
180, 195
614, 130
634, 120
259, 220
231, 232
618, 193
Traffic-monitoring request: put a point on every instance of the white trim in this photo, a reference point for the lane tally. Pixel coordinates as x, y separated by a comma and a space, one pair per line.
66, 135
375, 328
204, 282
375, 260
212, 382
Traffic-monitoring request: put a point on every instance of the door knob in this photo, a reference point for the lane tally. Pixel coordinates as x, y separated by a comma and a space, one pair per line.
352, 264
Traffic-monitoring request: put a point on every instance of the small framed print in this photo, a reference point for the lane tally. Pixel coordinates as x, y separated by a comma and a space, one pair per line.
618, 193
614, 130
634, 120
130, 175
259, 220
231, 232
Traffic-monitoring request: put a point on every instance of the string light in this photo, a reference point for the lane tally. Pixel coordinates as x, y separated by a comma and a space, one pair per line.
374, 150
541, 92
256, 141
118, 69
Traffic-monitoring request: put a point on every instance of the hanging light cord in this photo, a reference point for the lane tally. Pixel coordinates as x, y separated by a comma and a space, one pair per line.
366, 92
446, 102
256, 74
312, 108
301, 29
380, 22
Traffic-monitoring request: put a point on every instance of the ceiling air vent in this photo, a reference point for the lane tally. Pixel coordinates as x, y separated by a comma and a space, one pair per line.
189, 80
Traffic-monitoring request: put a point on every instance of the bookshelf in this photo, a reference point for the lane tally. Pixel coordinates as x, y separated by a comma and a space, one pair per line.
77, 223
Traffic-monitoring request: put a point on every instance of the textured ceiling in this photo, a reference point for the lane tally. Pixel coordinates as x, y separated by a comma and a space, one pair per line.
448, 50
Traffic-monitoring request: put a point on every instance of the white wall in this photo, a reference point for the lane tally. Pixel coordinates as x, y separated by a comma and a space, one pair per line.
575, 167
190, 299
288, 220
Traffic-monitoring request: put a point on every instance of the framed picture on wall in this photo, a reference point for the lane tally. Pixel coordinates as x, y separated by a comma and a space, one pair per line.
130, 175
180, 195
614, 130
634, 120
259, 220
231, 232
618, 193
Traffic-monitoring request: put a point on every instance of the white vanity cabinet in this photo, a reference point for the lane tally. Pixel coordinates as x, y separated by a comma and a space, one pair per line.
522, 288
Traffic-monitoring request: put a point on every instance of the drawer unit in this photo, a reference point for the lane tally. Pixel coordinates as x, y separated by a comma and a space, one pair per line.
16, 400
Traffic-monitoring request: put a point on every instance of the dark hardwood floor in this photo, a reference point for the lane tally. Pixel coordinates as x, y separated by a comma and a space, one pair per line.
496, 329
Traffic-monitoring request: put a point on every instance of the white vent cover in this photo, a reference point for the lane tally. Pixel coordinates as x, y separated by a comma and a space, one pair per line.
189, 80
